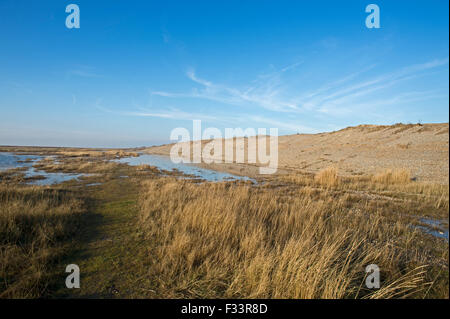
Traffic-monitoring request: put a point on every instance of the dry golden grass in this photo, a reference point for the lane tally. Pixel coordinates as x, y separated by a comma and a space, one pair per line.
327, 177
416, 196
34, 224
97, 153
398, 176
76, 165
79, 153
216, 240
121, 153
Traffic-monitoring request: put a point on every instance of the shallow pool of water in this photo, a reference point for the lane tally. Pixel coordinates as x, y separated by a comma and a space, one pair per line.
50, 178
9, 161
93, 184
436, 228
164, 163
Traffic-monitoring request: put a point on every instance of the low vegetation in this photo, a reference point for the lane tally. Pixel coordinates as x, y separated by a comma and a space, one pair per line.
235, 241
400, 176
108, 153
327, 176
77, 165
147, 233
36, 228
394, 185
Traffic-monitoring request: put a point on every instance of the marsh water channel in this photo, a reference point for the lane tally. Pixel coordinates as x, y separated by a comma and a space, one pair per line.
14, 161
163, 163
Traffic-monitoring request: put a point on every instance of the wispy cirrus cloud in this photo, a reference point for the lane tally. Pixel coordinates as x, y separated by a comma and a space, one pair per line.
242, 119
373, 105
167, 113
269, 91
285, 125
264, 92
83, 71
341, 97
173, 113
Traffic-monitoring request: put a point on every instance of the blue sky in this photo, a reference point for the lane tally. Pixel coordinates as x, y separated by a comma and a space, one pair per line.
135, 70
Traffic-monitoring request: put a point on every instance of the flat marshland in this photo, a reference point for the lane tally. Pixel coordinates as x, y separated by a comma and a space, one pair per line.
284, 241
137, 232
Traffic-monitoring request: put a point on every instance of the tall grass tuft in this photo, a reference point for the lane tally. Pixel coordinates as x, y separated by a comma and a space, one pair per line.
328, 176
389, 176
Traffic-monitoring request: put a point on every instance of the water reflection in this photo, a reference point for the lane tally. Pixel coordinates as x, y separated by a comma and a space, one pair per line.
9, 161
436, 228
50, 178
164, 163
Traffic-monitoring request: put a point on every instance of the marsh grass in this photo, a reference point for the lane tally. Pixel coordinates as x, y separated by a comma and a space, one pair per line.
327, 177
293, 236
387, 177
77, 165
235, 241
392, 184
88, 153
35, 225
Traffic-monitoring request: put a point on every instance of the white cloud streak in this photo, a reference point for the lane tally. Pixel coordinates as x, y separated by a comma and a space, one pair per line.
338, 98
268, 91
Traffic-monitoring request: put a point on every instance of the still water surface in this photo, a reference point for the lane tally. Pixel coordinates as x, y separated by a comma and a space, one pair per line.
164, 163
